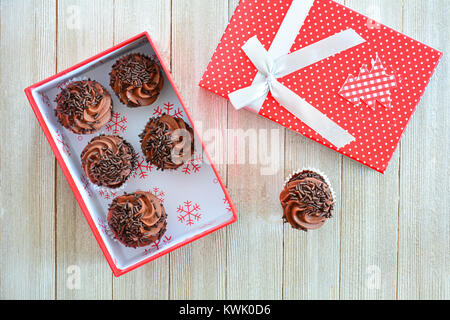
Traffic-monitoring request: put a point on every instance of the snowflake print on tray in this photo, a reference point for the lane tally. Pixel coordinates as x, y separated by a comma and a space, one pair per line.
143, 168
117, 123
158, 193
107, 195
189, 213
45, 99
168, 108
85, 182
227, 204
103, 225
61, 141
63, 84
193, 165
154, 57
156, 245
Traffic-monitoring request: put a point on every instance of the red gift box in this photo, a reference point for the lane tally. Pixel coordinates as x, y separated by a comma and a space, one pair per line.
195, 198
351, 84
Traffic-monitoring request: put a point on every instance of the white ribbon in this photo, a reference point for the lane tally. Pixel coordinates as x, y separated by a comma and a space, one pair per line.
277, 62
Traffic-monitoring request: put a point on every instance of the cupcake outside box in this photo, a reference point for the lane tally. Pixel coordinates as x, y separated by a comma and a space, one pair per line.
194, 196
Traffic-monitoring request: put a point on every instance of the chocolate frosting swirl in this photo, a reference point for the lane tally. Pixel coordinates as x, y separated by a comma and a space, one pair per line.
108, 160
307, 201
137, 80
83, 107
137, 219
162, 147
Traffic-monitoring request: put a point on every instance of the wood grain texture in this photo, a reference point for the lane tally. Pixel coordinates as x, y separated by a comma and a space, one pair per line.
255, 246
152, 280
369, 211
307, 274
311, 259
393, 226
198, 271
255, 243
27, 238
424, 241
84, 29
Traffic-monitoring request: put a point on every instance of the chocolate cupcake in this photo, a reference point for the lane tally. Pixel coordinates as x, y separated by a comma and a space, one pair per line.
108, 161
83, 106
307, 200
167, 142
137, 219
137, 80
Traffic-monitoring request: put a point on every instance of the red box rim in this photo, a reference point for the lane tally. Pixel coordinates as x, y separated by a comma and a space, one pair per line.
28, 92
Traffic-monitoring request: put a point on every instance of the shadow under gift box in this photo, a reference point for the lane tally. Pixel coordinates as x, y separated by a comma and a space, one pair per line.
195, 198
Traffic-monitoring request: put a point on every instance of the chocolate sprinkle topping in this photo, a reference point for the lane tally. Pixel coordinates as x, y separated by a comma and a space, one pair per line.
111, 169
76, 98
134, 72
314, 198
307, 200
125, 220
307, 174
159, 143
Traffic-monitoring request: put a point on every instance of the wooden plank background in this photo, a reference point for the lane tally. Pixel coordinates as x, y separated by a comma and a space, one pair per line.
389, 239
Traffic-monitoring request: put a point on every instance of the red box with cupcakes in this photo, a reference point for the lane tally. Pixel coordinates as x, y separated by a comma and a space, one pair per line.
128, 147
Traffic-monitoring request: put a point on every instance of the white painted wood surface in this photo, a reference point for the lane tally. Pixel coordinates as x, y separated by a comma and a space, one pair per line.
394, 225
369, 208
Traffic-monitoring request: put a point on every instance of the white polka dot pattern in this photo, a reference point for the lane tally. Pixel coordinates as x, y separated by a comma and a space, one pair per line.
377, 130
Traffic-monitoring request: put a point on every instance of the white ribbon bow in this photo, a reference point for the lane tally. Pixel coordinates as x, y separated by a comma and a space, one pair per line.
278, 62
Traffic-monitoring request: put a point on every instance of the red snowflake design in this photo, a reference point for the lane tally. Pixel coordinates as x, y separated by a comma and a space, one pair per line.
85, 182
156, 245
63, 84
45, 99
189, 213
227, 204
142, 168
61, 140
103, 225
193, 165
158, 193
168, 108
155, 57
107, 195
117, 123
